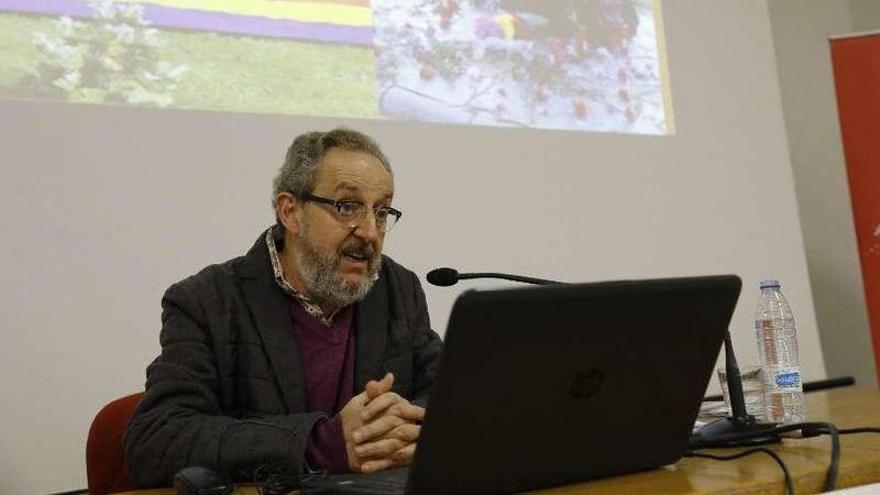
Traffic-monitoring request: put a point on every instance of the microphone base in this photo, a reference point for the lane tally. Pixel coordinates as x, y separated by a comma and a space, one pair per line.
734, 432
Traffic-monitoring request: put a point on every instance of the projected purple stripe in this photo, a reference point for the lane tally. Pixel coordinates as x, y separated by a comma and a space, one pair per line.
211, 21
258, 26
73, 8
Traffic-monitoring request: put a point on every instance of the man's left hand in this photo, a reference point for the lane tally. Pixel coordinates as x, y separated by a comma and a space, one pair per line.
390, 430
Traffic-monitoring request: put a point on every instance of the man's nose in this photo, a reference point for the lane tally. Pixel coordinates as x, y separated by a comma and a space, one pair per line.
368, 228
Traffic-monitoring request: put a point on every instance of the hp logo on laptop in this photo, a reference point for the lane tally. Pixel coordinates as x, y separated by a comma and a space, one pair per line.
586, 384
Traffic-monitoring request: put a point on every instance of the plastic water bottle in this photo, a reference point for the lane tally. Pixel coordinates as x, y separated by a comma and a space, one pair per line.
778, 354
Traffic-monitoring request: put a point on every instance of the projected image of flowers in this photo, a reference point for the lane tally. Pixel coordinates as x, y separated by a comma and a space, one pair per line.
590, 65
568, 64
117, 63
297, 57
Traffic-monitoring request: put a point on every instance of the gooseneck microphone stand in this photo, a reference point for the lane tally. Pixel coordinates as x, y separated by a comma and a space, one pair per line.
738, 429
444, 277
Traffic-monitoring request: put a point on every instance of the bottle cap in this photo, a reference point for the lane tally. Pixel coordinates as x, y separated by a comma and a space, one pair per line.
770, 283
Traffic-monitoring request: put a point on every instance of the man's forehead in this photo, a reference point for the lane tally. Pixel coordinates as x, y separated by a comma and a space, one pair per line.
353, 171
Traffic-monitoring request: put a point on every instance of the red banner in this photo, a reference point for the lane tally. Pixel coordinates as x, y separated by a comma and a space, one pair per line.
857, 75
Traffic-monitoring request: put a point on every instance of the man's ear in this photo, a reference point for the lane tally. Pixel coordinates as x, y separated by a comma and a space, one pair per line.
288, 210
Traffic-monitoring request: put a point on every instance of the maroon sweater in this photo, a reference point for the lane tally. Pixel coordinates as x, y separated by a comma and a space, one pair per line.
327, 355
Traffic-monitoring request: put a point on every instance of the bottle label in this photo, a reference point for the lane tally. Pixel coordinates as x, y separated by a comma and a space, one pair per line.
786, 380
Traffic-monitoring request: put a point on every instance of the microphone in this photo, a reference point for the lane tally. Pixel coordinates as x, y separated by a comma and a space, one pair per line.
442, 277
445, 277
740, 428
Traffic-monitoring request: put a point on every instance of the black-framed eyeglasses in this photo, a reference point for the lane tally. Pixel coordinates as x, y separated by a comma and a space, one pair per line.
352, 213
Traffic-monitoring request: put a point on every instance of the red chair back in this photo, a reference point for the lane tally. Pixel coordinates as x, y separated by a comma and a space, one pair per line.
105, 458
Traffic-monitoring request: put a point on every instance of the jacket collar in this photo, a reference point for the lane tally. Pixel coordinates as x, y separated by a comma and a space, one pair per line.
371, 320
270, 309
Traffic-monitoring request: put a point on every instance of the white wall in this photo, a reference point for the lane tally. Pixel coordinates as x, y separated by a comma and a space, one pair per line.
102, 208
865, 15
801, 29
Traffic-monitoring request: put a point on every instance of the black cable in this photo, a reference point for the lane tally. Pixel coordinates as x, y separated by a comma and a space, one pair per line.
807, 430
262, 473
866, 429
830, 429
789, 483
814, 429
831, 480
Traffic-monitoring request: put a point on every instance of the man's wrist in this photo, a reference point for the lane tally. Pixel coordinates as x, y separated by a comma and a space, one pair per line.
326, 447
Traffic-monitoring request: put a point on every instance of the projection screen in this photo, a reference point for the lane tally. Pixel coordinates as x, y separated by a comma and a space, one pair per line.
580, 65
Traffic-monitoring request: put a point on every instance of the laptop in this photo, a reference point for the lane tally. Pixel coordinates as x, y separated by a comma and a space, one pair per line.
552, 385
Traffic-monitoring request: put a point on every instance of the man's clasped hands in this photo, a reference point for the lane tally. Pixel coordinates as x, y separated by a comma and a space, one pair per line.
380, 428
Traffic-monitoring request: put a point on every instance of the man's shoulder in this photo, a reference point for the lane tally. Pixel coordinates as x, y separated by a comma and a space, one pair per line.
389, 264
227, 275
400, 280
395, 270
211, 279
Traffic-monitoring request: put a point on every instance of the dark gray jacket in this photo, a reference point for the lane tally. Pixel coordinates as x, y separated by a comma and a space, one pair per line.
228, 389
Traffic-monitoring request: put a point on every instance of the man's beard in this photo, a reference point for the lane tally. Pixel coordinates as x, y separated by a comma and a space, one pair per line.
321, 275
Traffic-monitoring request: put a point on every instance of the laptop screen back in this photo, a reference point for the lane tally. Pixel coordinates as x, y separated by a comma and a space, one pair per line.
543, 386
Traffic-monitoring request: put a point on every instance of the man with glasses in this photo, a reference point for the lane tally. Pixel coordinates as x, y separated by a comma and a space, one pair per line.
311, 352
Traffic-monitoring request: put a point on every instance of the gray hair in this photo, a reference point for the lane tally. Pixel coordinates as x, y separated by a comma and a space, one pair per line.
300, 169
